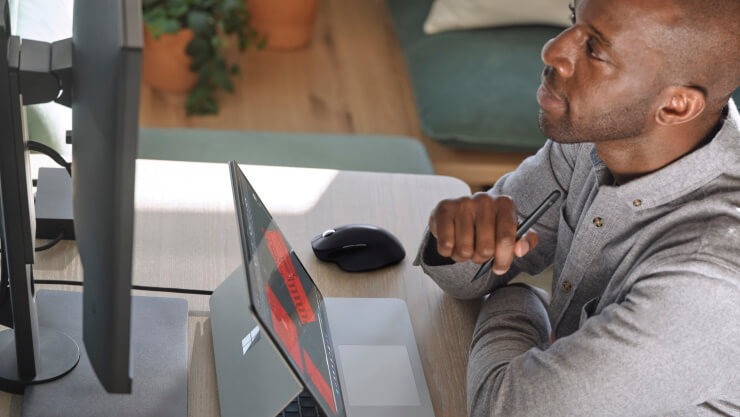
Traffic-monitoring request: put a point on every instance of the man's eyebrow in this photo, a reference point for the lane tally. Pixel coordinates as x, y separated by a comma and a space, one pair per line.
603, 39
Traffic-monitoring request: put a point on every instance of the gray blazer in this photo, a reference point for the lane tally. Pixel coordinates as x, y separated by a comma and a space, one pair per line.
645, 308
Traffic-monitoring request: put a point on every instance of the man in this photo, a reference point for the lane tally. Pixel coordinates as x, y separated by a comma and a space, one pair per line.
645, 242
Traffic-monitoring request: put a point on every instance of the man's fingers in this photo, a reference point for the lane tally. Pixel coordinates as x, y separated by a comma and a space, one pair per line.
505, 237
442, 227
485, 232
464, 237
478, 228
445, 238
526, 243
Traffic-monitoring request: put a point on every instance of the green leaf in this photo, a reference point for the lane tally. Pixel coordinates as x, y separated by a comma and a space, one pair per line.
178, 11
221, 79
152, 15
233, 7
159, 27
207, 4
200, 100
200, 22
262, 42
171, 26
200, 50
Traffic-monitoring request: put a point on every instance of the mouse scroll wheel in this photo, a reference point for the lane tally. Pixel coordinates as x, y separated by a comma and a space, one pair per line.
328, 233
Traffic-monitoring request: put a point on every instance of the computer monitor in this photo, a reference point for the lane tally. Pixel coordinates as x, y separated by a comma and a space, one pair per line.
107, 39
103, 65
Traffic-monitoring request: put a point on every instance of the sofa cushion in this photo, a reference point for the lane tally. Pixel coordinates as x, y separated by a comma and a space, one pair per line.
469, 14
473, 88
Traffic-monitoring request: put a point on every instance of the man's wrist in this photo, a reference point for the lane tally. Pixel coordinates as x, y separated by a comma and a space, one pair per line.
430, 256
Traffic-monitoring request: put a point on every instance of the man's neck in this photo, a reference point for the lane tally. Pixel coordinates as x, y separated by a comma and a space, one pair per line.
631, 158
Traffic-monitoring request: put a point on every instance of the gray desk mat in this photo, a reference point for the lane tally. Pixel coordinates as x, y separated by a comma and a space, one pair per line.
160, 362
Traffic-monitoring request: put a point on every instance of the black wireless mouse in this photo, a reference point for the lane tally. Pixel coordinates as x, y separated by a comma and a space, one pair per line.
358, 247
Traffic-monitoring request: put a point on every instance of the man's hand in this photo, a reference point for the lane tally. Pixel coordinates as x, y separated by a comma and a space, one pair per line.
479, 227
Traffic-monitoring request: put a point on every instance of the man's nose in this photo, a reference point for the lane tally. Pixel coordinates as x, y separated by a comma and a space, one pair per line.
559, 53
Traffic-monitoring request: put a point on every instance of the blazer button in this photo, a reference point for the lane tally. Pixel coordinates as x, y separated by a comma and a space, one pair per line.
598, 221
566, 286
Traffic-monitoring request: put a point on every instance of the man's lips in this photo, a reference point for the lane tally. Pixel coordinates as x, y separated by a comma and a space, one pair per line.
549, 100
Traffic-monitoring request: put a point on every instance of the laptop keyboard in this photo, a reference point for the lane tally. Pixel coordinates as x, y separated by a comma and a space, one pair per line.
303, 406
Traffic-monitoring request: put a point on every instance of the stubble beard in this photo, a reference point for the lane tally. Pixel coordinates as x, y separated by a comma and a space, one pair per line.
627, 121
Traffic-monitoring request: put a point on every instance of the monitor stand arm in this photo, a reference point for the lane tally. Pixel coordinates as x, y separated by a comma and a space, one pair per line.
45, 70
45, 73
28, 353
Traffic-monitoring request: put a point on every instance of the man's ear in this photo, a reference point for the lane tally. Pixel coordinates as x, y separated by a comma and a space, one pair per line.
680, 105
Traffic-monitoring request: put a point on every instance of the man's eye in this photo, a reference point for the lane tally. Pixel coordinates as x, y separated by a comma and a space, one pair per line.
590, 49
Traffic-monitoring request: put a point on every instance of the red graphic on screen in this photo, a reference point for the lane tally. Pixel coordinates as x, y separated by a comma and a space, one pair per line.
321, 384
285, 328
280, 253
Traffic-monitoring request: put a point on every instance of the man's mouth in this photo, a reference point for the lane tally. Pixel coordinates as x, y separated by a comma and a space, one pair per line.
548, 100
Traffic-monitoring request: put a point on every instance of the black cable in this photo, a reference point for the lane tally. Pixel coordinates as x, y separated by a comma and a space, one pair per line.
50, 244
51, 153
134, 287
54, 155
47, 245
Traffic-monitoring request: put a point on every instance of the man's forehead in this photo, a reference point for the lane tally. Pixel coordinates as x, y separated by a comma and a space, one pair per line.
658, 11
627, 19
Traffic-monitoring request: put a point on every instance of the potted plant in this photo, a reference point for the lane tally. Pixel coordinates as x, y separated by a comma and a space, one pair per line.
184, 47
287, 24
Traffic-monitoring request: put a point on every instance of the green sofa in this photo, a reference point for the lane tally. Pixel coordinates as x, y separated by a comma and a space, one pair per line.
377, 153
473, 88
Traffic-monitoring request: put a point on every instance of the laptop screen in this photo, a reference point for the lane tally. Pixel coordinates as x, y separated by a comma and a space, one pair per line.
285, 299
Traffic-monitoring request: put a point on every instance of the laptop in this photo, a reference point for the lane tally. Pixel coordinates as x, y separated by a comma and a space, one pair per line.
277, 339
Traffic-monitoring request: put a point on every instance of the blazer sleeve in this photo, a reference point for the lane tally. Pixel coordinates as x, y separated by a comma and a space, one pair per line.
671, 343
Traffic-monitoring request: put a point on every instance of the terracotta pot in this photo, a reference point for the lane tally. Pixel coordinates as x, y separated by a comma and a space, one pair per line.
165, 64
288, 24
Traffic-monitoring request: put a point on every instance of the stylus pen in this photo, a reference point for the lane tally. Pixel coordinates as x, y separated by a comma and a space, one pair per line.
522, 228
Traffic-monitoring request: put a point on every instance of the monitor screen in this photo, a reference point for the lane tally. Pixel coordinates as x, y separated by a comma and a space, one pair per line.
286, 301
107, 40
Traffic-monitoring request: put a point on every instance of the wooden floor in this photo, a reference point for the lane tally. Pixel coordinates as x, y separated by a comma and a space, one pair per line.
351, 79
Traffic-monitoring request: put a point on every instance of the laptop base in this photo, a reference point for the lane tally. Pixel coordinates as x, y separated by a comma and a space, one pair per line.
379, 364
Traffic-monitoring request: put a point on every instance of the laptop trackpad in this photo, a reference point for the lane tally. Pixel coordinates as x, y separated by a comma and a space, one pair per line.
378, 376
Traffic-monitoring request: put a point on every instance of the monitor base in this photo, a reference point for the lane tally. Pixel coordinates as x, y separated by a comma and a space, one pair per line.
58, 355
159, 341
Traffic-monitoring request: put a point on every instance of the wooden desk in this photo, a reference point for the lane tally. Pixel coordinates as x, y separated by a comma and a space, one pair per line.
186, 236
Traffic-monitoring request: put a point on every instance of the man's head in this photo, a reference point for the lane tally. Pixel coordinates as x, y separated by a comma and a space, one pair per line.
627, 67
